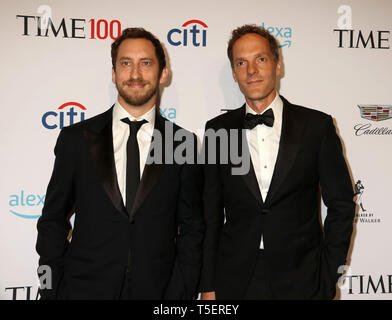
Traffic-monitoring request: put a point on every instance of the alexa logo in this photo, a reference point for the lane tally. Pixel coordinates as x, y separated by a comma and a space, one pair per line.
25, 205
193, 33
283, 34
169, 113
65, 115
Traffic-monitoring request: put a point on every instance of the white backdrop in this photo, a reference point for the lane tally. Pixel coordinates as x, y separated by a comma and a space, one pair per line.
332, 71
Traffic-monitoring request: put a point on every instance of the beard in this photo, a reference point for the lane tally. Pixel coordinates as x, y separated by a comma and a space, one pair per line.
137, 99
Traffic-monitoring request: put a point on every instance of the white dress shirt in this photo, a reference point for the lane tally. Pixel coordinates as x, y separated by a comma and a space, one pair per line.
120, 139
263, 142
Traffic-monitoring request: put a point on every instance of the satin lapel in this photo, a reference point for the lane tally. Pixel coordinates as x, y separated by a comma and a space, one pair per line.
249, 178
152, 171
251, 181
99, 138
292, 129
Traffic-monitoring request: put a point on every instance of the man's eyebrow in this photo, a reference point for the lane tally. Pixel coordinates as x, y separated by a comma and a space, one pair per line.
128, 58
260, 54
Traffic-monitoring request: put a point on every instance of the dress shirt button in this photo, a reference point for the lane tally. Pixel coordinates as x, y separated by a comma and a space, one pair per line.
265, 167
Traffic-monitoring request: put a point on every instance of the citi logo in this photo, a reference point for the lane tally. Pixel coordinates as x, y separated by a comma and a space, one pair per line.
192, 36
61, 118
21, 202
283, 34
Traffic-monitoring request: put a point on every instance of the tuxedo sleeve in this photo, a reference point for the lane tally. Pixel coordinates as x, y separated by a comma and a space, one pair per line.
186, 273
212, 208
337, 194
53, 225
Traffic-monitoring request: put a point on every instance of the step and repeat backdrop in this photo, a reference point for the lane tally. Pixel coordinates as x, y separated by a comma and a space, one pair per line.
56, 71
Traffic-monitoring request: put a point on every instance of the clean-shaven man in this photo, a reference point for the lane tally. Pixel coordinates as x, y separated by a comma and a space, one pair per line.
263, 236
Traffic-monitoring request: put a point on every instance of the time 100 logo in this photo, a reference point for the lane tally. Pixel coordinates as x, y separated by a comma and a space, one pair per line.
102, 28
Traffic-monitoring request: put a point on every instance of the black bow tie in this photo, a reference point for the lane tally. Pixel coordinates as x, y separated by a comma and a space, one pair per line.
252, 120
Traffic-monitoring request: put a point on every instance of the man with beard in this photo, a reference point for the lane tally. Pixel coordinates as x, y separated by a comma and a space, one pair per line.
138, 226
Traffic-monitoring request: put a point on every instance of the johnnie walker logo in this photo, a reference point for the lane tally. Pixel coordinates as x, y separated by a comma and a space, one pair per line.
363, 215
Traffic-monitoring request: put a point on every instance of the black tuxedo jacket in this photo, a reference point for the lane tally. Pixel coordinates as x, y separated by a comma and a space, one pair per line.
303, 258
164, 234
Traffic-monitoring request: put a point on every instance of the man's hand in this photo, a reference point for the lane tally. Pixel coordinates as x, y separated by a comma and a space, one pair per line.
208, 295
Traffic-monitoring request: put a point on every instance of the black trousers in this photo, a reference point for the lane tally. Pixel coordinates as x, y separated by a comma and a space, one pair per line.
260, 285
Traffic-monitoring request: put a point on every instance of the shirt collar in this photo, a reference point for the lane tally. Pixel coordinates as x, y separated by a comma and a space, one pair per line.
120, 113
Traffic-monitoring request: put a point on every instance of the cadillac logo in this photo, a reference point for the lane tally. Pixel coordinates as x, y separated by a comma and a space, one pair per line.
375, 112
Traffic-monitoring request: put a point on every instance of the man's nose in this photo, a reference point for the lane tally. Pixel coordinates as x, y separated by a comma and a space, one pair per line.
135, 72
251, 68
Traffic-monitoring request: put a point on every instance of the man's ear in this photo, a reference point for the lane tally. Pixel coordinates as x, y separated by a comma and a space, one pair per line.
164, 75
278, 68
113, 76
234, 75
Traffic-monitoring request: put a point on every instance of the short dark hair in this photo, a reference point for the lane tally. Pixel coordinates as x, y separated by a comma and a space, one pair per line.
252, 28
137, 33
